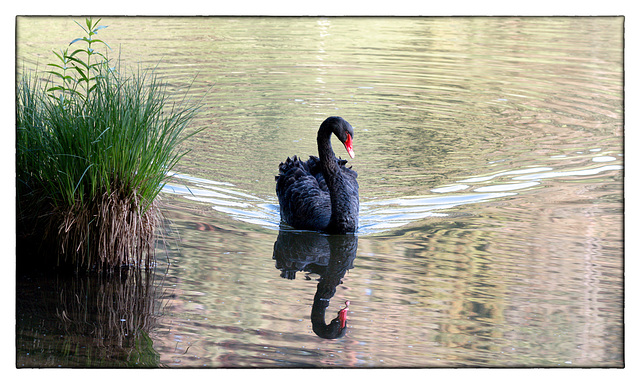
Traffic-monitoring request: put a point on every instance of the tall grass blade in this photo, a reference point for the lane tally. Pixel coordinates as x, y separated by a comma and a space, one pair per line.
96, 164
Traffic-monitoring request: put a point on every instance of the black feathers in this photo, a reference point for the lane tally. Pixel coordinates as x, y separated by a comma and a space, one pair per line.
319, 194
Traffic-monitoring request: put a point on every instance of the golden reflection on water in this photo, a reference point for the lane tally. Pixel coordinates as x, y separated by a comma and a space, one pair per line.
489, 160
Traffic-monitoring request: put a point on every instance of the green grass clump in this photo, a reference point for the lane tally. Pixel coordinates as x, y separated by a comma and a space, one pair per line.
91, 164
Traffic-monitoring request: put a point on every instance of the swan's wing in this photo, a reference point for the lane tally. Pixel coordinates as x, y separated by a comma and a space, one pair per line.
304, 203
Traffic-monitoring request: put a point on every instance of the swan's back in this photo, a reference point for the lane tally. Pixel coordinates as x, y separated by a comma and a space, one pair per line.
303, 195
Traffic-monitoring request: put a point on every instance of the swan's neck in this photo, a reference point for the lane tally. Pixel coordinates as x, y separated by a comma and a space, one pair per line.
318, 322
332, 176
341, 206
325, 151
325, 291
330, 167
342, 253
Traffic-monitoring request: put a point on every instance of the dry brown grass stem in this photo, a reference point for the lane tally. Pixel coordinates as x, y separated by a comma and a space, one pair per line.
111, 231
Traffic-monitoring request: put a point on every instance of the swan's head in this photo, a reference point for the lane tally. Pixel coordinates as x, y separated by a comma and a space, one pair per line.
335, 329
344, 131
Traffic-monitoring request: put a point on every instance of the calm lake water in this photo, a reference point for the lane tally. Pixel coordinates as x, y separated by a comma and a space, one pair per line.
490, 161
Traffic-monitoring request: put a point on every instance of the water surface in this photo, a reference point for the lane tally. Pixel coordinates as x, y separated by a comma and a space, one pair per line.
490, 161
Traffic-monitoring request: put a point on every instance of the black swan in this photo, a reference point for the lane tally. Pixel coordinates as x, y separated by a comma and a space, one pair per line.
321, 194
328, 256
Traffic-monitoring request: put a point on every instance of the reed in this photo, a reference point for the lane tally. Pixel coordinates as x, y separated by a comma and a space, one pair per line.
90, 165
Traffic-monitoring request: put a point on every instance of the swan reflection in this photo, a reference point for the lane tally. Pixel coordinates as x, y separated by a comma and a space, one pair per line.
329, 256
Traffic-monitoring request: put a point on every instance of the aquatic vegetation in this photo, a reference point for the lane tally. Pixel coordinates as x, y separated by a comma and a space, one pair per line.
93, 152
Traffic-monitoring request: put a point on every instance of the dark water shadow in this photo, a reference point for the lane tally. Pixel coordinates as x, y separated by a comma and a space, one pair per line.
329, 256
87, 320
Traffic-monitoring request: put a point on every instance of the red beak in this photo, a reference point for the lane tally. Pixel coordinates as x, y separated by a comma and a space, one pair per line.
349, 146
343, 315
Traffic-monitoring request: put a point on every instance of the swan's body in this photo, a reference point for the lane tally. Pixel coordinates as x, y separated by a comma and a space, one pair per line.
321, 194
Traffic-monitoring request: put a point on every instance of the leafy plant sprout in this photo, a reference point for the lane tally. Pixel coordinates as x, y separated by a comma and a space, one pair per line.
86, 71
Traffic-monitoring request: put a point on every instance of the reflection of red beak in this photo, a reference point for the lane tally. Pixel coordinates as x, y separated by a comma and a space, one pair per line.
349, 146
342, 315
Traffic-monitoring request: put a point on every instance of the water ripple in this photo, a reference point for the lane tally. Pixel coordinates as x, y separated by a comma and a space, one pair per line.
379, 215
